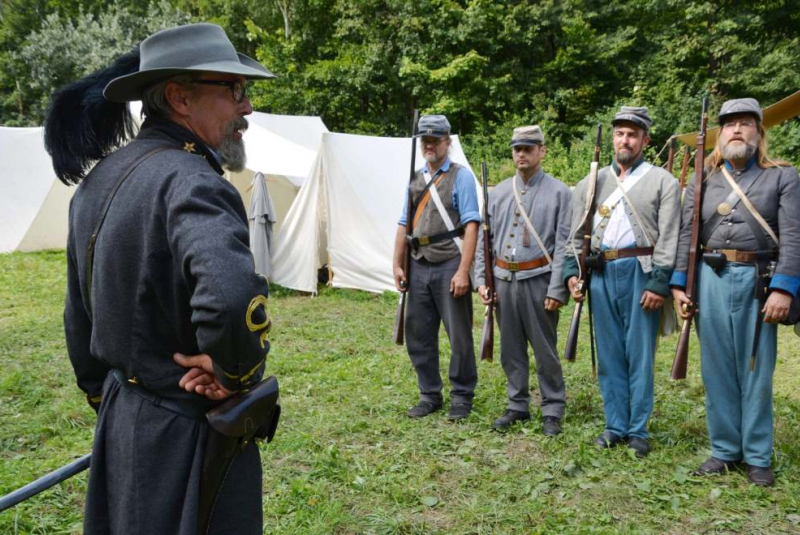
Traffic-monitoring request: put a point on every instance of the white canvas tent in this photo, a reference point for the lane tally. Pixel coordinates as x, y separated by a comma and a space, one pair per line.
346, 214
34, 204
283, 148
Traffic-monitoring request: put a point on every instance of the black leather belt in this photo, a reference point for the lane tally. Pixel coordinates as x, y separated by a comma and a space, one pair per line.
182, 407
416, 241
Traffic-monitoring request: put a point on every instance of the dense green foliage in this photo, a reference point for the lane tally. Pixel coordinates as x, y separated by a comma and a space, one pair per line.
363, 65
346, 459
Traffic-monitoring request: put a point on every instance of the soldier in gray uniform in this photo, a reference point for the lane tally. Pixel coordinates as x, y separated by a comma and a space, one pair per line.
530, 215
634, 238
737, 251
445, 231
165, 315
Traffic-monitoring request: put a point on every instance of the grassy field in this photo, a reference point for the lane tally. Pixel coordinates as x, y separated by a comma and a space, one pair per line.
346, 459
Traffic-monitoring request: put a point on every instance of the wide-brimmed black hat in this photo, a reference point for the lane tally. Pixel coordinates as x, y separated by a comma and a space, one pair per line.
184, 49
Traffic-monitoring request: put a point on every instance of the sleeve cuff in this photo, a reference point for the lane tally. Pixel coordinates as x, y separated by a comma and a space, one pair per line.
787, 283
234, 382
678, 279
658, 282
570, 269
468, 217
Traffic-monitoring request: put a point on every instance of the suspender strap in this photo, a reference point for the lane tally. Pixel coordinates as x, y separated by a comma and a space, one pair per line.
752, 212
104, 211
425, 197
528, 222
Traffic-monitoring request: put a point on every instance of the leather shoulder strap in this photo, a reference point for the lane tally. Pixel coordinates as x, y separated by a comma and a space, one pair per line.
104, 211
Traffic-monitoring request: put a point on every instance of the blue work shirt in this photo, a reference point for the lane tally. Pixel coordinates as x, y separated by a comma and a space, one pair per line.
465, 195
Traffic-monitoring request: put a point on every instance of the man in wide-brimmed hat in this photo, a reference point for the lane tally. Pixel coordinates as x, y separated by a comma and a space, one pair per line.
159, 269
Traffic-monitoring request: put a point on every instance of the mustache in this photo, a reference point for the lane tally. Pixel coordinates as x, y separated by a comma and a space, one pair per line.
240, 124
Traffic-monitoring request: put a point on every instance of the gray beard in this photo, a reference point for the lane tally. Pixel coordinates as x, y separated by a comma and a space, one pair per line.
231, 151
739, 151
626, 158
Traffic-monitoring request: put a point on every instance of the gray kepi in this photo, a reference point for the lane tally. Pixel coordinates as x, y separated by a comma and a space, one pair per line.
637, 115
740, 105
193, 48
433, 126
527, 136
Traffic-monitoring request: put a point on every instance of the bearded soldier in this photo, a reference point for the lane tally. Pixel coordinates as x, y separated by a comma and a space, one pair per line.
159, 269
751, 240
530, 215
445, 232
633, 242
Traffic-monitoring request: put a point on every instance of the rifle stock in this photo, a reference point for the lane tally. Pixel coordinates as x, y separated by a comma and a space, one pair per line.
571, 348
680, 364
487, 333
400, 313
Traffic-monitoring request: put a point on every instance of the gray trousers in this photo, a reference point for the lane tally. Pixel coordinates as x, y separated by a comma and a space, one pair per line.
523, 320
429, 304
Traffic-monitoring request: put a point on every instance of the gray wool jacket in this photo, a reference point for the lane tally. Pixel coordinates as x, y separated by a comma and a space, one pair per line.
548, 203
775, 193
657, 200
172, 271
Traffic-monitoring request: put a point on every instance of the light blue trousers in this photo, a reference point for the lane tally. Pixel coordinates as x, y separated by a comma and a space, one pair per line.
626, 344
738, 401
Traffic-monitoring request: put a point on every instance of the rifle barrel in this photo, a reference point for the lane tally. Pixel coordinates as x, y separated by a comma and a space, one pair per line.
45, 482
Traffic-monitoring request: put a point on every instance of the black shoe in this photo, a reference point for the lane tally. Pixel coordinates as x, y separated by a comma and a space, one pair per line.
760, 475
459, 411
509, 417
640, 446
712, 466
423, 408
608, 440
551, 426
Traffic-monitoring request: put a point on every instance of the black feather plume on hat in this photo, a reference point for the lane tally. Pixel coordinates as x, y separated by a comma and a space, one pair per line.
81, 126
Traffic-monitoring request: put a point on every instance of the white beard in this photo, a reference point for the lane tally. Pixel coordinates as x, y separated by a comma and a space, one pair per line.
743, 150
231, 151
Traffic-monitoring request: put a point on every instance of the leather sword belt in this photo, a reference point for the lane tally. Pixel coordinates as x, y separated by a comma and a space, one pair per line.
521, 266
189, 409
616, 254
743, 257
416, 241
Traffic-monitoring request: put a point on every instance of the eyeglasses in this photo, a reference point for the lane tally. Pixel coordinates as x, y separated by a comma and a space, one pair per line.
742, 124
432, 141
238, 89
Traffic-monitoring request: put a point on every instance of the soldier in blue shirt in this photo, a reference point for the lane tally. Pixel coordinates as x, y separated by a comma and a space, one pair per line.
445, 232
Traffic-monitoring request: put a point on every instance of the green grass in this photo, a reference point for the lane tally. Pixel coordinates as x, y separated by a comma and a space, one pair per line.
347, 460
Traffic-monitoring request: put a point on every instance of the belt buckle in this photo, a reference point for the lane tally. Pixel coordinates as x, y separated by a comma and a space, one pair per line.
513, 266
611, 254
424, 240
730, 254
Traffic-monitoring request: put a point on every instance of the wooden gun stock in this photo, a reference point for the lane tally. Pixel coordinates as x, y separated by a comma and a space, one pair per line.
571, 348
400, 320
487, 333
682, 352
400, 313
679, 365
